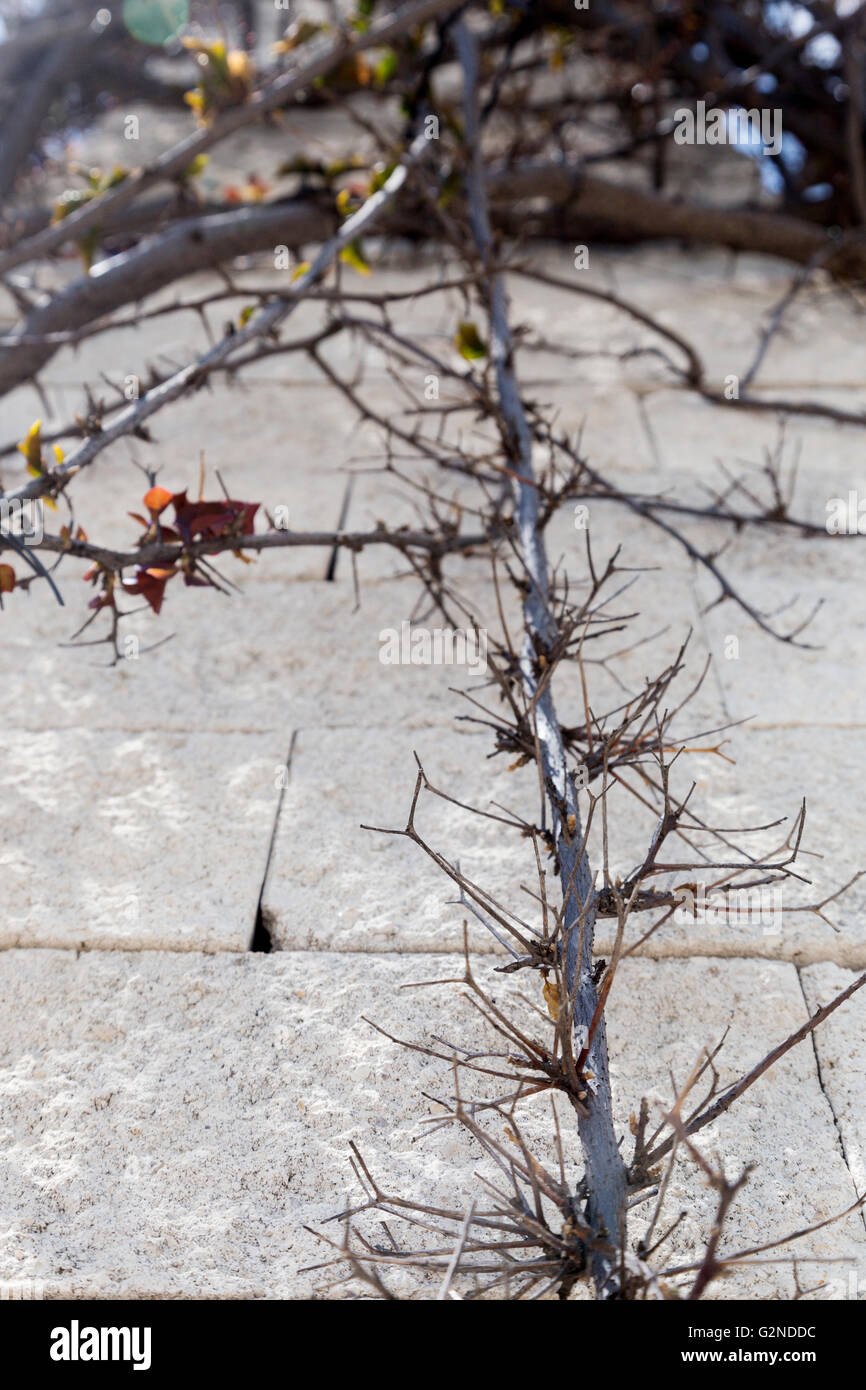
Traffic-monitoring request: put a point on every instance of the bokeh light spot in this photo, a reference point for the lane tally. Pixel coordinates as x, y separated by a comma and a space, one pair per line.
155, 21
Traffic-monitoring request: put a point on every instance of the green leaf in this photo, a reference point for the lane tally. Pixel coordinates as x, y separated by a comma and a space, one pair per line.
468, 342
386, 66
88, 245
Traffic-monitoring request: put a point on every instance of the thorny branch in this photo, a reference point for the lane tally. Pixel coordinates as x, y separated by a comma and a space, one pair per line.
536, 1230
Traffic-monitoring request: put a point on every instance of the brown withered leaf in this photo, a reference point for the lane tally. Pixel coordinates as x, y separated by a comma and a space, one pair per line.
550, 990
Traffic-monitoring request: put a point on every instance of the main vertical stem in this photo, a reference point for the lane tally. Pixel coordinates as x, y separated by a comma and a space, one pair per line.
605, 1173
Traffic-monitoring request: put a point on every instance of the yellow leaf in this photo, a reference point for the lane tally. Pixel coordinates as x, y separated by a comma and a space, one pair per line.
240, 67
31, 447
246, 314
353, 255
196, 166
198, 101
300, 269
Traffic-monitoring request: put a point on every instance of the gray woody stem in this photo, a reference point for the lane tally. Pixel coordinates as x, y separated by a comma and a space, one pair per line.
193, 244
605, 1173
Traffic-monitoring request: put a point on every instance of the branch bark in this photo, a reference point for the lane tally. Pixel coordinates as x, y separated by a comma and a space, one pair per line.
261, 326
30, 103
194, 244
597, 208
605, 1172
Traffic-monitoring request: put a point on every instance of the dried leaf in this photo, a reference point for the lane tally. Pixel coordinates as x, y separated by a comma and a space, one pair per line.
156, 500
550, 990
150, 584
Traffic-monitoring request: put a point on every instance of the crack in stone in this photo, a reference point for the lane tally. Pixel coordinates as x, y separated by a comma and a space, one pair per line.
826, 1094
262, 938
331, 571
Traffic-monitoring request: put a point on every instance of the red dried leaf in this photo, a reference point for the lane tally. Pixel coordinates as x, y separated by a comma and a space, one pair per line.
7, 579
150, 584
210, 520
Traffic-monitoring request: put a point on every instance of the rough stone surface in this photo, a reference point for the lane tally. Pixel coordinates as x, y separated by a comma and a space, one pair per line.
172, 1122
839, 1051
171, 1118
102, 828
384, 892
